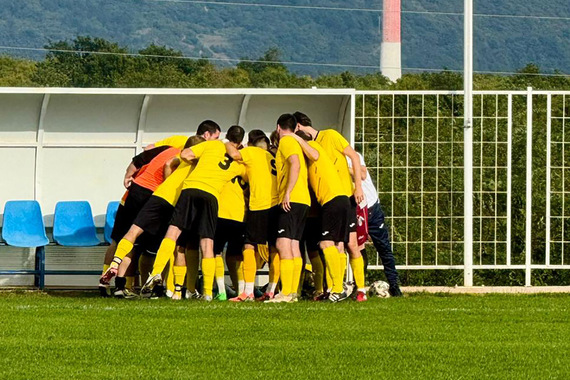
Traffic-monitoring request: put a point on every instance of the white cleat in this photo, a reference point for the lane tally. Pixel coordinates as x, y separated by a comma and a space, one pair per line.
150, 283
279, 298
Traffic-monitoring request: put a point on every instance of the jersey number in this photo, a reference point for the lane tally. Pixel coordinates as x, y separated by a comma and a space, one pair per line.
225, 164
273, 168
240, 182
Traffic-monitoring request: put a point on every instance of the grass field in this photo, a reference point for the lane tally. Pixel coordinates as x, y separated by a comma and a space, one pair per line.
62, 335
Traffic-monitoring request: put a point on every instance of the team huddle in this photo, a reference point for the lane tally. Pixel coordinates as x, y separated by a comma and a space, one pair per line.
266, 203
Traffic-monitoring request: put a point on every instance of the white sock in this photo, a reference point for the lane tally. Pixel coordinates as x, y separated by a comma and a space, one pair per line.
221, 285
271, 288
249, 287
241, 286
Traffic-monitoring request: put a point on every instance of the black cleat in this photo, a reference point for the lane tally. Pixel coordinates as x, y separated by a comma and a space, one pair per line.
395, 291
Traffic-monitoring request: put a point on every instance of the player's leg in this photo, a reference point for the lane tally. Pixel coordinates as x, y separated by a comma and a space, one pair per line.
179, 272
274, 272
221, 238
192, 269
165, 251
208, 266
378, 232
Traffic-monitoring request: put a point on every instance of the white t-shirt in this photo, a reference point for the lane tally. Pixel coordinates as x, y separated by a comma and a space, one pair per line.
368, 188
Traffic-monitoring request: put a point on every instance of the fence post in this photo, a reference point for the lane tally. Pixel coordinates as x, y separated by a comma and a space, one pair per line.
40, 267
528, 216
468, 145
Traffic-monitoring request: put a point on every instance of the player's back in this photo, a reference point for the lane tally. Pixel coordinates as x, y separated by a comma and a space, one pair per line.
170, 189
262, 176
334, 144
213, 170
232, 199
152, 175
323, 176
288, 147
175, 141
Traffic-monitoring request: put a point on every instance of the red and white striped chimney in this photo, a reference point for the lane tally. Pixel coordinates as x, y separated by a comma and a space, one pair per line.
391, 49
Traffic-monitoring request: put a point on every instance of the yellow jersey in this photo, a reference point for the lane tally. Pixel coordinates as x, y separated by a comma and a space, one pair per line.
214, 168
262, 175
232, 200
323, 176
176, 141
170, 189
334, 144
288, 147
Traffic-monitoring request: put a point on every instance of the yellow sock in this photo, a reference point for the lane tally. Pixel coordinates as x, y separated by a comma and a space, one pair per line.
220, 268
274, 268
130, 282
318, 272
179, 272
286, 269
263, 251
249, 265
240, 281
329, 280
164, 254
342, 258
208, 272
105, 268
170, 280
334, 268
123, 248
357, 266
297, 271
192, 264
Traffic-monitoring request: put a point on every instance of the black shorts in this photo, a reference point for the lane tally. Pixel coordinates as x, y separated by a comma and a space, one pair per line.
272, 225
189, 239
312, 233
257, 227
155, 216
127, 213
196, 211
292, 224
334, 219
229, 232
352, 216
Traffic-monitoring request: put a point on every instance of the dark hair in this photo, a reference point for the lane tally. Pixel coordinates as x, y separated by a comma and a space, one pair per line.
303, 119
303, 135
253, 135
274, 138
208, 126
235, 134
193, 140
287, 122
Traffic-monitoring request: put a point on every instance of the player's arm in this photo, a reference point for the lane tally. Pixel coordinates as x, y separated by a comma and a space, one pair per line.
129, 175
170, 166
311, 153
187, 155
357, 168
363, 172
233, 152
294, 169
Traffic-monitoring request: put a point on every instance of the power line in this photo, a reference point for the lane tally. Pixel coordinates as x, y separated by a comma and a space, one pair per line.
297, 63
347, 9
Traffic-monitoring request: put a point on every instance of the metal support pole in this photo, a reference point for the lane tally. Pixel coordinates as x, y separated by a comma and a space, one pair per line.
40, 268
468, 144
528, 235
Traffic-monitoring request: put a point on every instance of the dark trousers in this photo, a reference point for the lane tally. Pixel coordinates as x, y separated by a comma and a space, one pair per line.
378, 232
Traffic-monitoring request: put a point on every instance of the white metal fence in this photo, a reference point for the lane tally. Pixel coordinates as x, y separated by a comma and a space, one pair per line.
414, 149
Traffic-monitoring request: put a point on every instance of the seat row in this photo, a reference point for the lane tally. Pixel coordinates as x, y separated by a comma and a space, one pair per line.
73, 224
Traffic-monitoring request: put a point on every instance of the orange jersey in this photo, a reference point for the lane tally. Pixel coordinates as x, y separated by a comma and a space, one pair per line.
151, 175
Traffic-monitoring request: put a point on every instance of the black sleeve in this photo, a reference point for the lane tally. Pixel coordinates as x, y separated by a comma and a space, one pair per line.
147, 156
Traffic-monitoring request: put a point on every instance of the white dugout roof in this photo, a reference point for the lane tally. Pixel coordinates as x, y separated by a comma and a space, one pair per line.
60, 144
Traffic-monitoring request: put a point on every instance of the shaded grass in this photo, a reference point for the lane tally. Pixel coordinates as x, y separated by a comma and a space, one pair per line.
61, 335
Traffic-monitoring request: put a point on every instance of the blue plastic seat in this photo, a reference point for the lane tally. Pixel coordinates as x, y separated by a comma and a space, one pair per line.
112, 208
24, 224
73, 224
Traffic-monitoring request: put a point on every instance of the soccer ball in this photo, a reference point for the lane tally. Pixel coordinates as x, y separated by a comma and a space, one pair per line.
380, 289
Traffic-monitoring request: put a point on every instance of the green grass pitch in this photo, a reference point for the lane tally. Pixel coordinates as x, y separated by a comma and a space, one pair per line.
62, 336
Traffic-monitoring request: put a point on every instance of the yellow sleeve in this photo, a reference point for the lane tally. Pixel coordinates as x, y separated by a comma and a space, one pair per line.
339, 142
246, 155
199, 149
177, 141
290, 147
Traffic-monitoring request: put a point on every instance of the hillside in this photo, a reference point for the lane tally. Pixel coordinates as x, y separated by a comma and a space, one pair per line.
303, 35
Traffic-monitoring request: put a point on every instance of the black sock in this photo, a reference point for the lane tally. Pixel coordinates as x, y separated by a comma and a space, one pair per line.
120, 283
